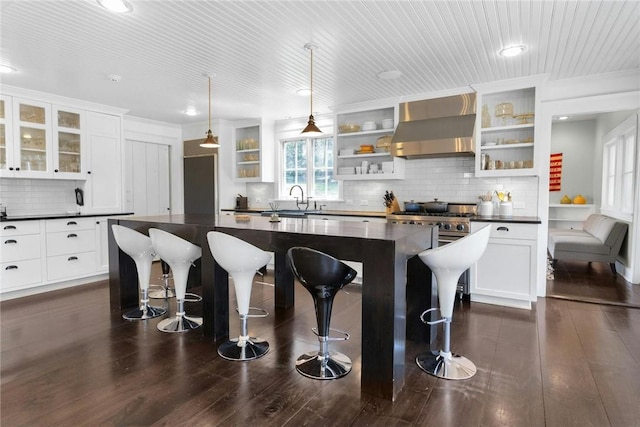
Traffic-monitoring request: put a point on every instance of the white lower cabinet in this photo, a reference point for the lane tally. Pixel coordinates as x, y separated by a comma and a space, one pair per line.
506, 272
51, 252
20, 255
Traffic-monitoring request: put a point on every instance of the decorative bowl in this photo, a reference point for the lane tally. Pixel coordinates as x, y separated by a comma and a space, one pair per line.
348, 127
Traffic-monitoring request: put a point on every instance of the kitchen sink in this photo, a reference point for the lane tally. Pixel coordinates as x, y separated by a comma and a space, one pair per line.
290, 213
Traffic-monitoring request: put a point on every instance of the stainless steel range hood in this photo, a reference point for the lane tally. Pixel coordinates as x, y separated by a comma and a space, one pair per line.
440, 127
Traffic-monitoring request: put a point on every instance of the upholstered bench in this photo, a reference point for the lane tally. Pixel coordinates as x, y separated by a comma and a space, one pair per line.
599, 240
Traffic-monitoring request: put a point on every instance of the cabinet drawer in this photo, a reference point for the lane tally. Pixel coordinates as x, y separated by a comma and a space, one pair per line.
69, 242
508, 230
19, 274
17, 248
15, 228
70, 224
71, 265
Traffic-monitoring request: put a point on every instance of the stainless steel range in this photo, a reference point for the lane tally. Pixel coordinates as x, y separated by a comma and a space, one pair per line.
452, 225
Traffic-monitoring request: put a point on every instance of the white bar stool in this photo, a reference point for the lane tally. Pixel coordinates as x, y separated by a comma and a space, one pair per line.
241, 260
139, 247
447, 263
180, 255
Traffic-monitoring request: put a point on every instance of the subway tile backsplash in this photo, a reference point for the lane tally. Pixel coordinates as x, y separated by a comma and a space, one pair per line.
448, 179
38, 196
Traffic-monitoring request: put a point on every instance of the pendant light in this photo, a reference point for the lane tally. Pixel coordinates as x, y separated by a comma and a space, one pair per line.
210, 142
311, 129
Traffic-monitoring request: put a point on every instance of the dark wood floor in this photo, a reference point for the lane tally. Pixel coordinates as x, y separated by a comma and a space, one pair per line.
592, 282
67, 360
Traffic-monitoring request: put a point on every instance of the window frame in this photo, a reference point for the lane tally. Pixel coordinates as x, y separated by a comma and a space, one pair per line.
619, 164
283, 188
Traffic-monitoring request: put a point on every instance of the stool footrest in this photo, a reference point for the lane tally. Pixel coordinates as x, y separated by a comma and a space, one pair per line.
345, 336
430, 322
191, 297
261, 312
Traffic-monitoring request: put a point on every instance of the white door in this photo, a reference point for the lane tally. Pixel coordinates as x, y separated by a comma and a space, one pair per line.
149, 178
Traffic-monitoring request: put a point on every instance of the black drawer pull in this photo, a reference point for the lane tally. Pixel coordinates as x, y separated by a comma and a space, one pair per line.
72, 258
69, 236
72, 223
11, 267
9, 227
502, 229
9, 241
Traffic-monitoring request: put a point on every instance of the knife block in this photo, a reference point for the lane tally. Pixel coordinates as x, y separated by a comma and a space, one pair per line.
395, 207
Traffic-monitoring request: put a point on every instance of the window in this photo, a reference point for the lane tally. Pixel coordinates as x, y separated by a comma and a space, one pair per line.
618, 170
308, 162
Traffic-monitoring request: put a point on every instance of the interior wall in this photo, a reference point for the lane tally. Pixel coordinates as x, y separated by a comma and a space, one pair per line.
576, 140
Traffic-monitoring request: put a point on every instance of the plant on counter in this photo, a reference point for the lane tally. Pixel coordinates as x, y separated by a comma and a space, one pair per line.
504, 196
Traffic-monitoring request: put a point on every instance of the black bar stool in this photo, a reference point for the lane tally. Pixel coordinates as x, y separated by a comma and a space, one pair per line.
323, 276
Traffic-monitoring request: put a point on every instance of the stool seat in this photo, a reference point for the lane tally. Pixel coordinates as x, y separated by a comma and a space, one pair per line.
447, 263
180, 255
323, 276
139, 248
241, 260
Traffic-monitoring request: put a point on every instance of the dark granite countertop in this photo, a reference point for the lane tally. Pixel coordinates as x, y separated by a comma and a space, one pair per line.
60, 216
512, 220
314, 212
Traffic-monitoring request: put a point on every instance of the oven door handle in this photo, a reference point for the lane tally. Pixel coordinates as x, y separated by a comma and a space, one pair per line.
446, 240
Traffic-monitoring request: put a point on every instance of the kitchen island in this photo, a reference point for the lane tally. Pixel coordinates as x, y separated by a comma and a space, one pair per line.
397, 285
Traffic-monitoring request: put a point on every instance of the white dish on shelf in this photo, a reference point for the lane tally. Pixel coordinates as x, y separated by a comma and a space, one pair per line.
346, 170
347, 152
488, 144
367, 126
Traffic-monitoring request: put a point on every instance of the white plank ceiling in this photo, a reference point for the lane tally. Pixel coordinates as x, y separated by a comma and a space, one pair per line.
255, 49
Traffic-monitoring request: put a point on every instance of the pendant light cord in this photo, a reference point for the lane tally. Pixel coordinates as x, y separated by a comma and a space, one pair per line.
209, 103
311, 85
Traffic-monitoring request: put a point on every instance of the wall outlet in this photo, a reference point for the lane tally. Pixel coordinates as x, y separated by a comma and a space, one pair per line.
364, 202
258, 200
518, 205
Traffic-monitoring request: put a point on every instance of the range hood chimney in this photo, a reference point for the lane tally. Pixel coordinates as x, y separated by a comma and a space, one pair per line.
440, 127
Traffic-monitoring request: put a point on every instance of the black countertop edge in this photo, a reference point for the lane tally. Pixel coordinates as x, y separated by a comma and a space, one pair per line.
60, 216
512, 220
370, 214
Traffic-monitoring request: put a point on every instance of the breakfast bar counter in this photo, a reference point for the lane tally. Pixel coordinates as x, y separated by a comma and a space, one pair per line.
397, 286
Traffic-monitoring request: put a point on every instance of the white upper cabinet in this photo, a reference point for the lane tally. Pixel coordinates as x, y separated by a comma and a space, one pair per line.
32, 143
254, 152
69, 151
6, 136
506, 136
363, 139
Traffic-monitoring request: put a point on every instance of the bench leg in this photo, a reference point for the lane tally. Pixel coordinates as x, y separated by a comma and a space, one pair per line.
613, 267
554, 262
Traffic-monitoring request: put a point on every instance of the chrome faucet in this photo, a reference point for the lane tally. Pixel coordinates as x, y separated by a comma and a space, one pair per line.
300, 201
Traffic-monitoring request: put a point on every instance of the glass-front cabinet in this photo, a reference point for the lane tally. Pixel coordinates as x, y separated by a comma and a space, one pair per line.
505, 143
33, 139
6, 140
68, 143
363, 139
254, 152
40, 140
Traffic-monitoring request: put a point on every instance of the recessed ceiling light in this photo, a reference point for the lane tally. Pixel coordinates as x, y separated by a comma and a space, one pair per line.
389, 75
191, 112
7, 69
116, 6
303, 92
512, 50
563, 117
114, 78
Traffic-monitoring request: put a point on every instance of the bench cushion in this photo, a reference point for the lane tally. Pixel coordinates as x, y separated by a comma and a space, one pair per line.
580, 244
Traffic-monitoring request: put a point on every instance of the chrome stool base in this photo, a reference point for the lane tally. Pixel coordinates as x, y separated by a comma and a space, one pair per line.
180, 324
254, 348
313, 365
453, 367
149, 312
